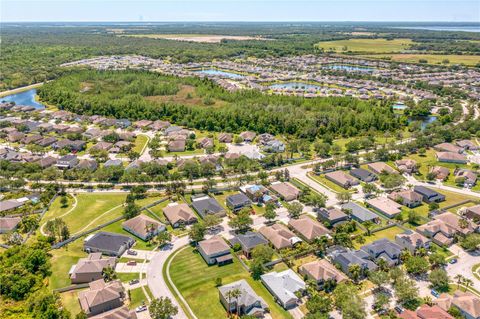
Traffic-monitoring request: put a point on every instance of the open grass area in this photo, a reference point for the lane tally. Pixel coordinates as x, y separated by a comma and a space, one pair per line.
187, 95
127, 276
196, 282
366, 45
117, 228
70, 301
91, 210
430, 58
62, 260
137, 298
321, 179
388, 233
140, 143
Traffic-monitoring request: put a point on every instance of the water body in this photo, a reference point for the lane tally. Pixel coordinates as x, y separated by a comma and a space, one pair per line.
444, 28
399, 106
347, 67
226, 74
425, 120
294, 86
26, 98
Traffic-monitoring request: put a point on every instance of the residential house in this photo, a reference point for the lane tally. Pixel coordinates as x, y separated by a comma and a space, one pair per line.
466, 302
67, 161
279, 236
284, 286
408, 166
205, 205
109, 244
74, 146
441, 173
87, 164
46, 161
46, 141
101, 297
363, 175
321, 271
102, 146
143, 226
248, 136
342, 179
383, 249
345, 258
254, 192
381, 167
308, 228
360, 213
15, 136
248, 241
426, 312
248, 303
285, 190
385, 206
274, 146
10, 204
332, 216
206, 142
473, 213
463, 228
142, 124
215, 251
113, 163
118, 313
438, 231
448, 147
449, 157
412, 241
429, 195
179, 215
176, 146
238, 201
407, 198
465, 177
159, 125
225, 137
467, 145
9, 224
31, 139
91, 268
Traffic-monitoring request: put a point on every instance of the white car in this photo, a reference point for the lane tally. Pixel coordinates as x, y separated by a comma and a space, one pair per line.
141, 308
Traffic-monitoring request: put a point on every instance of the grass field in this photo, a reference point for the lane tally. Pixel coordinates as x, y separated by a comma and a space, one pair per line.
388, 233
321, 179
366, 45
431, 58
137, 297
90, 210
196, 282
140, 143
127, 276
70, 302
62, 260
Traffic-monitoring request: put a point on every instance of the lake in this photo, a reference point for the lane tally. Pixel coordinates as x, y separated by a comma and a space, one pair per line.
24, 98
399, 106
226, 74
425, 120
444, 28
347, 67
294, 85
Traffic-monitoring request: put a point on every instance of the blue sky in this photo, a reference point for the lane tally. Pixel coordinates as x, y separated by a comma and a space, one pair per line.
236, 10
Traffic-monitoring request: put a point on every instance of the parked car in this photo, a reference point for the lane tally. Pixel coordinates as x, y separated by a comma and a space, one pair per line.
453, 261
434, 293
132, 263
399, 309
133, 281
141, 308
132, 252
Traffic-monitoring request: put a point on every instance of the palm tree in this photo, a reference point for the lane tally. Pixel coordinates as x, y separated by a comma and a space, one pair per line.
382, 264
459, 279
368, 226
467, 283
233, 294
355, 271
109, 274
421, 251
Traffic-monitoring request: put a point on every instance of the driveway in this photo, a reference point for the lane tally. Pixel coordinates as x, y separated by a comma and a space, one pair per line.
141, 254
464, 265
124, 268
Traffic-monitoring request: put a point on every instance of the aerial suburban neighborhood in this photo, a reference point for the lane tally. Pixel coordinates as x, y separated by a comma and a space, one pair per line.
204, 170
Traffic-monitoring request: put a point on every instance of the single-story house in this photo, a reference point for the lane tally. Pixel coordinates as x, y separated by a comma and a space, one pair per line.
473, 213
344, 258
248, 136
238, 201
448, 147
467, 145
360, 213
87, 164
407, 166
113, 162
284, 286
215, 251
381, 167
285, 190
308, 228
453, 220
438, 231
363, 175
109, 244
466, 176
279, 236
385, 206
10, 204
248, 241
440, 172
91, 268
143, 226
342, 179
426, 312
449, 157
428, 194
176, 146
407, 198
466, 302
412, 241
179, 214
225, 137
101, 297
248, 303
321, 271
206, 205
8, 224
332, 216
67, 161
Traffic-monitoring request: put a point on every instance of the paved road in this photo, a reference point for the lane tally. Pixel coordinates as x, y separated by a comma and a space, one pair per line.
464, 265
154, 275
412, 180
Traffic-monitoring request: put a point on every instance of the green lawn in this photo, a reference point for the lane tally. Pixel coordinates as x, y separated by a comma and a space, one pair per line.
321, 179
429, 160
388, 233
137, 297
89, 212
62, 259
431, 58
196, 282
127, 276
117, 228
366, 45
70, 301
140, 142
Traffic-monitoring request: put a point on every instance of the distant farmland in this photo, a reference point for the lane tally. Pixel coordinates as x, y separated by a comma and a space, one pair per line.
206, 38
366, 45
430, 58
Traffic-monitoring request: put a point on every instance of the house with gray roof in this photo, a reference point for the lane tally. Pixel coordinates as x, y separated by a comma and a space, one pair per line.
248, 303
345, 258
360, 213
67, 161
238, 201
363, 175
284, 286
109, 244
332, 216
206, 205
8, 224
429, 195
249, 241
10, 204
384, 249
90, 268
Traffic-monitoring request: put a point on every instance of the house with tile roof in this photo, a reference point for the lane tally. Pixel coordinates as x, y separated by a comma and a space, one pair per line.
143, 226
279, 236
321, 271
284, 287
179, 214
308, 228
215, 251
248, 303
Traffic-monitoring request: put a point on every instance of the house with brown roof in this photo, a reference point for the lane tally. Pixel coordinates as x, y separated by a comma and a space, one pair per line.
279, 236
102, 146
467, 145
342, 179
15, 136
176, 146
465, 177
285, 190
473, 213
443, 227
117, 313
450, 157
143, 226
8, 224
466, 302
385, 206
441, 173
308, 228
412, 241
206, 142
179, 214
215, 251
463, 228
426, 312
46, 161
91, 268
248, 136
225, 137
321, 271
448, 147
407, 198
406, 166
101, 297
381, 167
333, 216
143, 124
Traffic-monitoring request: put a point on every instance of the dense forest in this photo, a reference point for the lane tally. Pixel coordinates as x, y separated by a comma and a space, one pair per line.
32, 53
124, 94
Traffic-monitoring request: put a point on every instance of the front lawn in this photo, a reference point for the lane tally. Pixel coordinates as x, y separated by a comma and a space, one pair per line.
388, 233
140, 141
137, 297
196, 282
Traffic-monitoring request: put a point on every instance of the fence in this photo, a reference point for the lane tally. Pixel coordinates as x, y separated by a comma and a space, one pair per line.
71, 287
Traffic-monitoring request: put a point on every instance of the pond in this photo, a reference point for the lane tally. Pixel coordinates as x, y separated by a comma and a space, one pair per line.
226, 74
26, 98
294, 86
348, 67
425, 120
399, 106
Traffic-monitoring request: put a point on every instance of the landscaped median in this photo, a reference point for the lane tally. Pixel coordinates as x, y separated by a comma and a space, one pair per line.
196, 282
